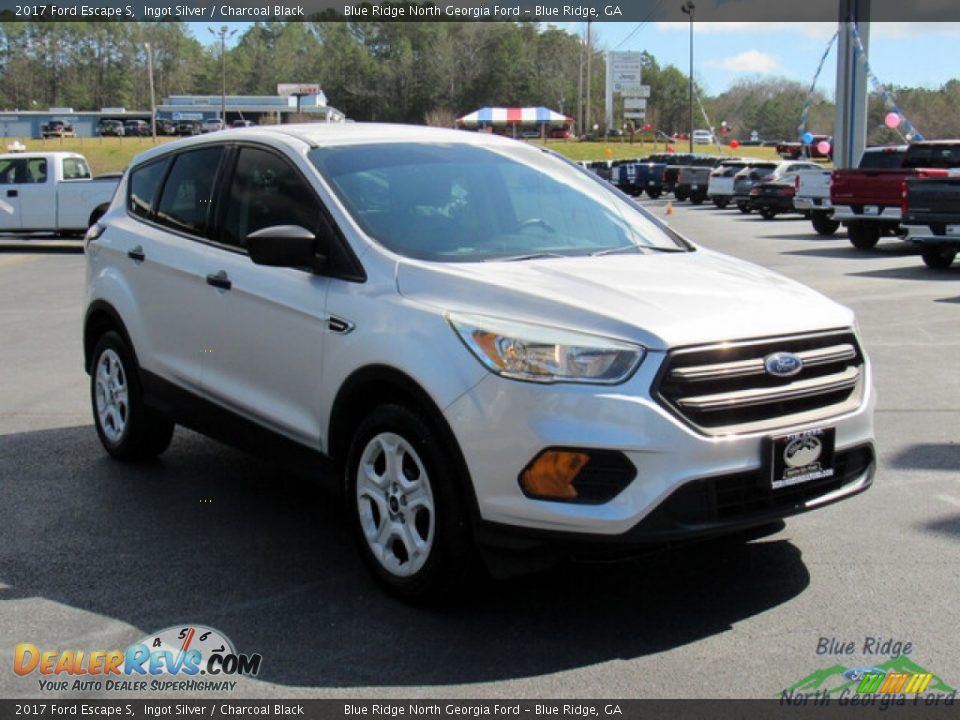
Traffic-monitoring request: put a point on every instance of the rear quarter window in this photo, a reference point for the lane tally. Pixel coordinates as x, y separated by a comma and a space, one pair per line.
144, 183
187, 194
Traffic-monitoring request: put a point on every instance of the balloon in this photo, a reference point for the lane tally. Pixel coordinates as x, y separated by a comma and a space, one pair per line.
609, 152
724, 123
648, 127
669, 148
823, 147
892, 120
734, 144
807, 138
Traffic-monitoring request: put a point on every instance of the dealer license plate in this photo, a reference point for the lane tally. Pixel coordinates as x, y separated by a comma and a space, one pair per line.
953, 229
871, 210
694, 187
801, 457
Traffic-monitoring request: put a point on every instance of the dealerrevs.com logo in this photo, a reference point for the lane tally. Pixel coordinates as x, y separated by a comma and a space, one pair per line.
186, 658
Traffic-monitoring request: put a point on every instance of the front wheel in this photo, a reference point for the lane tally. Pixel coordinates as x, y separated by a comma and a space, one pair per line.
938, 257
824, 224
128, 429
404, 505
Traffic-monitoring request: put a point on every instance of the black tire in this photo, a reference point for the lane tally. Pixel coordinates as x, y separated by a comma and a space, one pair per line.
680, 195
824, 224
863, 236
721, 203
938, 257
744, 207
768, 213
132, 431
697, 199
444, 565
654, 194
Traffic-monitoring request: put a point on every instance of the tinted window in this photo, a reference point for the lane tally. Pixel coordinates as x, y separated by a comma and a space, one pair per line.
460, 202
885, 159
23, 171
144, 183
266, 191
188, 192
932, 156
9, 170
75, 169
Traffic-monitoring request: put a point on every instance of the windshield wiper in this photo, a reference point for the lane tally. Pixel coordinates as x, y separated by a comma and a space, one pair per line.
527, 256
625, 248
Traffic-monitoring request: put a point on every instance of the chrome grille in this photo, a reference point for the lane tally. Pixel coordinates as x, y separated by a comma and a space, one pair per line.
725, 389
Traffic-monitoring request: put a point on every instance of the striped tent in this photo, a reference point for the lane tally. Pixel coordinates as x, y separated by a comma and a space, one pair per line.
505, 117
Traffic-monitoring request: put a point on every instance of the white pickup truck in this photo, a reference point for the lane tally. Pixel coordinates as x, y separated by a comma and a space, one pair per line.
812, 195
51, 192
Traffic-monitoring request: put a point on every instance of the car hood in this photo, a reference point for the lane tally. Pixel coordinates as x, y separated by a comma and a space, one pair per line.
661, 300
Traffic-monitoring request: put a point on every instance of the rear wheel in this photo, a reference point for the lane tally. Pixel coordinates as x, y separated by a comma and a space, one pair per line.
721, 203
863, 236
768, 213
681, 195
654, 194
407, 516
938, 257
128, 429
743, 207
697, 198
824, 224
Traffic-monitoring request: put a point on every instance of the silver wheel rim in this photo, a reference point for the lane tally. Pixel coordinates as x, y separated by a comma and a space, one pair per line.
111, 395
395, 504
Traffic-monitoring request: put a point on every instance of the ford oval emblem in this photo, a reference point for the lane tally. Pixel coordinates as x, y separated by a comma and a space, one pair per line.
783, 364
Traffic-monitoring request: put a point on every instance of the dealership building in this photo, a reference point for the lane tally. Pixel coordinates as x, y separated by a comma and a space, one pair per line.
293, 102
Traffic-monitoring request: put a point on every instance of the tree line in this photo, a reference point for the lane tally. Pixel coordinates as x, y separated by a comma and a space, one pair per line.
402, 72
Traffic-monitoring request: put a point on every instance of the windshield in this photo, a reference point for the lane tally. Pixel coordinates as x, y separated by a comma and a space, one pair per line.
457, 202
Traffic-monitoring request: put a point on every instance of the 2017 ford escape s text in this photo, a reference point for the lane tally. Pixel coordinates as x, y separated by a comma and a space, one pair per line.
497, 348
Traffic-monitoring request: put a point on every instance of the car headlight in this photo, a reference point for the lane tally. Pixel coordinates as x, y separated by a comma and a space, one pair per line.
538, 353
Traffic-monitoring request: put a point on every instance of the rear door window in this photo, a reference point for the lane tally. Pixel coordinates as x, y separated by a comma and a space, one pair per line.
75, 169
187, 195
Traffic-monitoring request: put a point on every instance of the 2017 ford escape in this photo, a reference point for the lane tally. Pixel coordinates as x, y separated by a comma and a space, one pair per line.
495, 346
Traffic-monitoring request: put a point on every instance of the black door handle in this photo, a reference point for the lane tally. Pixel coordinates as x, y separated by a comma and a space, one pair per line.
12, 193
219, 280
137, 254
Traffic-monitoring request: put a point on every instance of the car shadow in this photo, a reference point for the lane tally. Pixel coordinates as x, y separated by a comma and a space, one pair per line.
45, 245
928, 456
955, 300
848, 252
918, 272
211, 535
946, 526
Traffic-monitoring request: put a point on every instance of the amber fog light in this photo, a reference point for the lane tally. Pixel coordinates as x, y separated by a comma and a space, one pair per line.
574, 475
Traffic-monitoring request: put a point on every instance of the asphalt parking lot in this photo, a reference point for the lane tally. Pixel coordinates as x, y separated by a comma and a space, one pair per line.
95, 554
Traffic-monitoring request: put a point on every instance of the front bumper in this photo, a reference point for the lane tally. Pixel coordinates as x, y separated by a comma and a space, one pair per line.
501, 425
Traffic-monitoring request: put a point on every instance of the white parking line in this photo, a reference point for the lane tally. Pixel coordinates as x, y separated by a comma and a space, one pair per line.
949, 499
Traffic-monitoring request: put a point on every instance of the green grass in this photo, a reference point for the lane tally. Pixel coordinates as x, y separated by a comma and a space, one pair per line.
112, 154
109, 154
599, 150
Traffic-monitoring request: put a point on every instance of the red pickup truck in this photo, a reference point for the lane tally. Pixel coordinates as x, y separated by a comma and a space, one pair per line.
867, 201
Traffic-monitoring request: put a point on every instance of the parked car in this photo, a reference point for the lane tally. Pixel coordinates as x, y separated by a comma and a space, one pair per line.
112, 128
137, 128
720, 184
212, 125
560, 134
931, 218
166, 127
494, 348
188, 127
868, 201
771, 171
51, 192
776, 196
242, 123
693, 179
57, 129
813, 189
703, 137
649, 176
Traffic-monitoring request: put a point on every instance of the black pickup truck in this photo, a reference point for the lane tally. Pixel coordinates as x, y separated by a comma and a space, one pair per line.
931, 217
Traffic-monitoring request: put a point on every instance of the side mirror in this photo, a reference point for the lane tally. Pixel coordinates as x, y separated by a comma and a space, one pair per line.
285, 246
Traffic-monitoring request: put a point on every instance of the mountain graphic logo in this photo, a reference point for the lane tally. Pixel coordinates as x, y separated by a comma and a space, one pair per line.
838, 678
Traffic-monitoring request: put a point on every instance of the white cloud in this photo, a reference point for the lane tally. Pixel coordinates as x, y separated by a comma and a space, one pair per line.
749, 61
808, 29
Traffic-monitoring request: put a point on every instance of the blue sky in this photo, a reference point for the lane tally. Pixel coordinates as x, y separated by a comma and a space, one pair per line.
911, 54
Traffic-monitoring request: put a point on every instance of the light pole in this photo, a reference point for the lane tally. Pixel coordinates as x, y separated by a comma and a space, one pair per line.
153, 97
223, 33
688, 8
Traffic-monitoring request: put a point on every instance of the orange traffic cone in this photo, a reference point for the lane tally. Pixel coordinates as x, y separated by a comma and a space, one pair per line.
669, 207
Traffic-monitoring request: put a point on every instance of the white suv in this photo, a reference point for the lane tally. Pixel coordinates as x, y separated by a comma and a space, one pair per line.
497, 348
